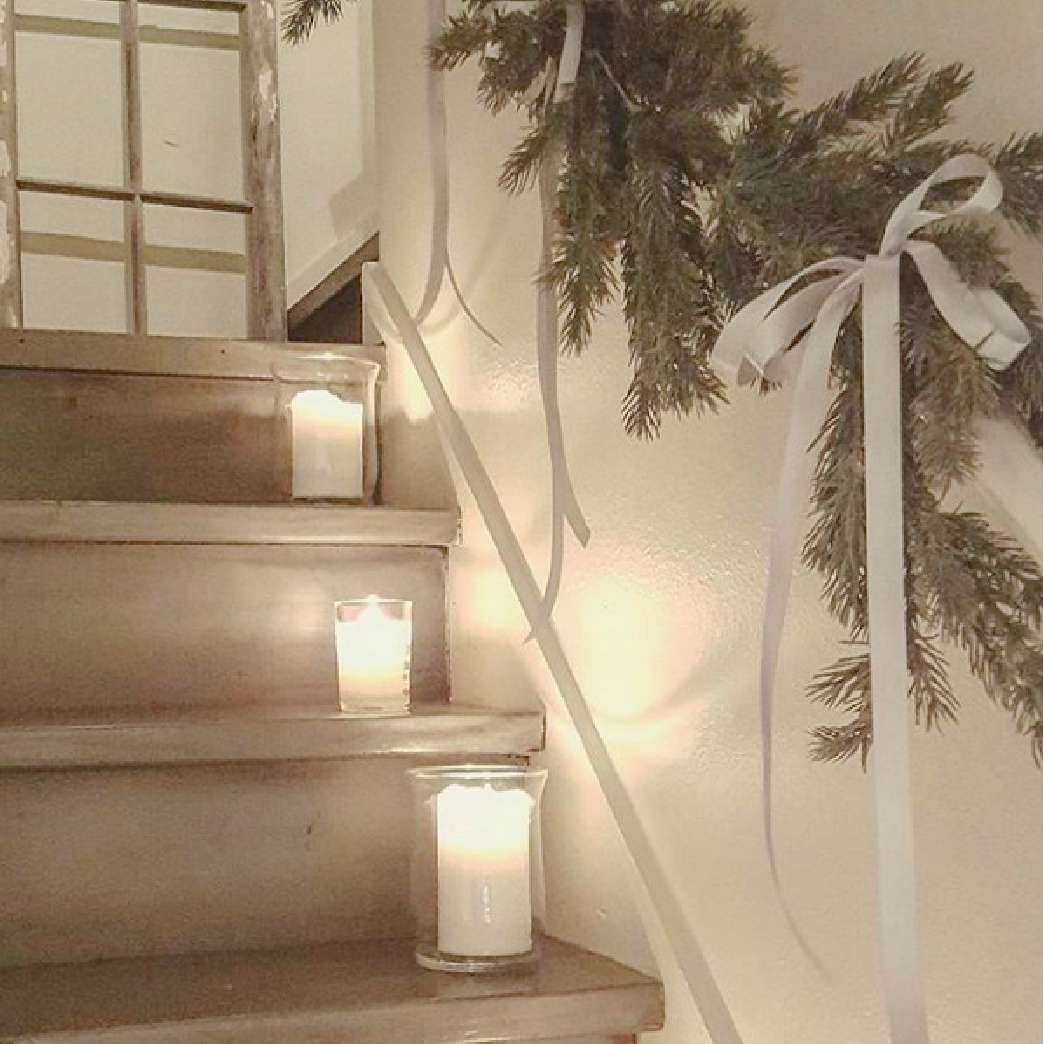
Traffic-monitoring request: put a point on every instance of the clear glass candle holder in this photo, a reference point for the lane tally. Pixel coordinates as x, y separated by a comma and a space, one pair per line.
477, 872
374, 643
328, 403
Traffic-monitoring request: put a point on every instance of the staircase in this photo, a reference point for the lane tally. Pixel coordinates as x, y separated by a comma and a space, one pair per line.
199, 846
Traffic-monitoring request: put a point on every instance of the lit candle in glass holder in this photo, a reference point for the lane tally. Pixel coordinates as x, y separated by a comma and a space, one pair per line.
374, 640
476, 875
327, 444
327, 407
483, 871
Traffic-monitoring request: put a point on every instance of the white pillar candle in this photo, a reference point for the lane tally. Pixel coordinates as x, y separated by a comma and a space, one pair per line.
373, 653
327, 438
484, 905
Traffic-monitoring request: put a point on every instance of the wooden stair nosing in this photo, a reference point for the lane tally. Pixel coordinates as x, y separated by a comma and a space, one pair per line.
158, 355
95, 740
157, 522
369, 994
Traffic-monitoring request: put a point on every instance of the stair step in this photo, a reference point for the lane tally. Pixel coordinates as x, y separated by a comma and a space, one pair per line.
368, 994
116, 417
98, 738
113, 353
219, 625
126, 522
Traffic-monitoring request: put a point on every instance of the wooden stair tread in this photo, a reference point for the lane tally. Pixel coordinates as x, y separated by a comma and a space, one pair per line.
365, 993
127, 522
83, 351
105, 738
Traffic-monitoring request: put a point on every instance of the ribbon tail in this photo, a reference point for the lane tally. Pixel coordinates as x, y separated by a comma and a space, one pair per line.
466, 308
565, 508
438, 260
572, 49
808, 407
886, 569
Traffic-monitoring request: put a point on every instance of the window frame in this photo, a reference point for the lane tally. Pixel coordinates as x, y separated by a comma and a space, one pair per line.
261, 205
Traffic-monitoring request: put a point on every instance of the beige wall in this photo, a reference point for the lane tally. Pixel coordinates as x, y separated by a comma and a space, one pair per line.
661, 613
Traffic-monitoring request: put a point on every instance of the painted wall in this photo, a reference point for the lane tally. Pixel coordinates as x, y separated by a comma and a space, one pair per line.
328, 153
661, 613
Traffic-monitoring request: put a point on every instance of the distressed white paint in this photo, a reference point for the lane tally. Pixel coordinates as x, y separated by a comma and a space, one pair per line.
5, 245
661, 614
267, 92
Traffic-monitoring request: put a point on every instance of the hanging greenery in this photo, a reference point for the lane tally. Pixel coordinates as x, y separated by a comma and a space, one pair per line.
685, 187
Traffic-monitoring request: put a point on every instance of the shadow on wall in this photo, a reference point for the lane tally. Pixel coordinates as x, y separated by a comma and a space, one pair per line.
338, 321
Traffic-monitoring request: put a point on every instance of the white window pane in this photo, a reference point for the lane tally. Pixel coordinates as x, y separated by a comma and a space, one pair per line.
61, 293
72, 263
188, 303
191, 122
70, 96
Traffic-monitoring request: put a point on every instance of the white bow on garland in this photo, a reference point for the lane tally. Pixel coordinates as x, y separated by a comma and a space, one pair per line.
756, 342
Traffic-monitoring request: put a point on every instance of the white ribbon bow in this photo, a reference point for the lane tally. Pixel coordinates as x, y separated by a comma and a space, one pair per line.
756, 342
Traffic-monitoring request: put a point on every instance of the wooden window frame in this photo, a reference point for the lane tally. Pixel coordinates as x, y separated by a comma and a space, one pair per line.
262, 206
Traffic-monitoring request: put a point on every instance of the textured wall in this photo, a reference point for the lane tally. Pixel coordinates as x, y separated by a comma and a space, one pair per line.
661, 614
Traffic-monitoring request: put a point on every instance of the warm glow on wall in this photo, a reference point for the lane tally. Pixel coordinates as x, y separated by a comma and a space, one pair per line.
622, 643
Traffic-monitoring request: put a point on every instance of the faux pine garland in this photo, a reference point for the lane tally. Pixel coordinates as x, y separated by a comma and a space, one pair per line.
685, 186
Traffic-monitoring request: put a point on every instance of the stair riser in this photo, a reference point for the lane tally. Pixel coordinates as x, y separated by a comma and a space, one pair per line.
187, 625
86, 436
152, 861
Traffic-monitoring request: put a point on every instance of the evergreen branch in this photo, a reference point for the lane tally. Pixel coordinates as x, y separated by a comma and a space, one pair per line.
585, 245
523, 164
460, 38
836, 543
870, 99
301, 17
1018, 164
950, 388
839, 743
511, 61
926, 108
1021, 382
987, 594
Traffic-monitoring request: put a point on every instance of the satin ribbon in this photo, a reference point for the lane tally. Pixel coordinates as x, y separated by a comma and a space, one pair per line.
440, 267
565, 508
756, 342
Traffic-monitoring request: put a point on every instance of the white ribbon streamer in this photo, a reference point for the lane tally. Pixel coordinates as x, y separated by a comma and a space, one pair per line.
438, 260
756, 341
565, 508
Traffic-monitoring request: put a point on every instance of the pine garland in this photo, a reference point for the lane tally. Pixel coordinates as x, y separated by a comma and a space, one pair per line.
685, 187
